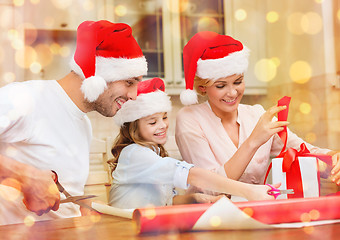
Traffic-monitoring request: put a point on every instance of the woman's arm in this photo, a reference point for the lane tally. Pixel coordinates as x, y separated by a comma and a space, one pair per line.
40, 192
263, 131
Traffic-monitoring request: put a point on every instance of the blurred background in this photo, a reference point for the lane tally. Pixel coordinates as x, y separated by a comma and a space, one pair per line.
295, 49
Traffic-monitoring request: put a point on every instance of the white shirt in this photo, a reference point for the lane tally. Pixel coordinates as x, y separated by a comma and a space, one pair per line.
41, 126
144, 178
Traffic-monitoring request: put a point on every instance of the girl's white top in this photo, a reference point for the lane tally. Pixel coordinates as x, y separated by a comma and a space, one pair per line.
143, 178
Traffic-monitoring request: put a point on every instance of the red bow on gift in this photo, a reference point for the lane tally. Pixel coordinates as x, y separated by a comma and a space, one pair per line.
289, 164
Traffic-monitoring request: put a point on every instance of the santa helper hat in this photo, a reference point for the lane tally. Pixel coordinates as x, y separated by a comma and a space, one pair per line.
150, 99
106, 52
209, 55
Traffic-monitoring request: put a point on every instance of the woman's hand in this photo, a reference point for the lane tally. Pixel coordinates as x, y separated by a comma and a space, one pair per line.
336, 168
266, 128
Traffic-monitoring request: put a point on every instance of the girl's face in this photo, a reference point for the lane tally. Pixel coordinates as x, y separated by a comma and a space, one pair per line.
225, 94
153, 128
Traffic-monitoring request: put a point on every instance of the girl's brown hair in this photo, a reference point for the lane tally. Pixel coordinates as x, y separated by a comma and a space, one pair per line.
129, 134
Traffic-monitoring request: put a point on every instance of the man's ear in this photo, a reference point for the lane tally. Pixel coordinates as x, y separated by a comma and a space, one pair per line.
202, 89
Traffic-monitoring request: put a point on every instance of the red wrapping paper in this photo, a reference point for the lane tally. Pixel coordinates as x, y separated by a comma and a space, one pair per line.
183, 217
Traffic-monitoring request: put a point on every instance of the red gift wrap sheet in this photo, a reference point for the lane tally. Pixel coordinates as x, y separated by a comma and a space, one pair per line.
183, 217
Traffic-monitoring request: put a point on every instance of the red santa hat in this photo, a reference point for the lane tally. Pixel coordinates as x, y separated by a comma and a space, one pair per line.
209, 55
106, 52
150, 99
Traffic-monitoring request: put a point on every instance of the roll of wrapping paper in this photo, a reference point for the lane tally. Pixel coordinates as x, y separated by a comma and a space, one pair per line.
183, 217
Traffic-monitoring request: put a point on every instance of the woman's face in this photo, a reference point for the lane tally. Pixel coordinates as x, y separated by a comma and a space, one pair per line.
154, 128
225, 94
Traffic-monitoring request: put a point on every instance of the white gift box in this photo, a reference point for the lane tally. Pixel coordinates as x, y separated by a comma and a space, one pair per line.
309, 176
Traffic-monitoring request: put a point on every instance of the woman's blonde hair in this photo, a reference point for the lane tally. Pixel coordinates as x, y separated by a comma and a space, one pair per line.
200, 82
129, 134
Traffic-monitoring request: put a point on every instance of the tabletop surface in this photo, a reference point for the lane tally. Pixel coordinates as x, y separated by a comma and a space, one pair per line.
110, 227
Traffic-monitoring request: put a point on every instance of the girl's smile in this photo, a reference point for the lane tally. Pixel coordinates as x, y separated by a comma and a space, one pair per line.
154, 128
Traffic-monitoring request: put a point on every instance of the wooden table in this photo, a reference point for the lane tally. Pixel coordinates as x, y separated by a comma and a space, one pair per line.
109, 227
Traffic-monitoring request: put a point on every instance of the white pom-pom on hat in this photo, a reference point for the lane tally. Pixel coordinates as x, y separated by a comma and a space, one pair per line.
188, 97
92, 87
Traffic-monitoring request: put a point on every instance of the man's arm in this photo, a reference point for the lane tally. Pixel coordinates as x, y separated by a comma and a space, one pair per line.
40, 192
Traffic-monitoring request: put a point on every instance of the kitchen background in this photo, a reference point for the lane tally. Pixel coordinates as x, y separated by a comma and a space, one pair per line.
295, 49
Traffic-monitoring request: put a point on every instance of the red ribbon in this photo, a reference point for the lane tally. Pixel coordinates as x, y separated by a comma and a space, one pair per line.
289, 165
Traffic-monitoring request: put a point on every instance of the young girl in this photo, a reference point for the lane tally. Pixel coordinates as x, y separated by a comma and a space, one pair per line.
144, 174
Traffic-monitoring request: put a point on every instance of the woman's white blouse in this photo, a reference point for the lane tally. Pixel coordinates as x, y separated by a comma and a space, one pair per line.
143, 178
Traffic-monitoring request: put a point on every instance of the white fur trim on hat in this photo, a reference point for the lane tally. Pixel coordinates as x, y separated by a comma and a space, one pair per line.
188, 97
234, 63
113, 69
92, 87
144, 105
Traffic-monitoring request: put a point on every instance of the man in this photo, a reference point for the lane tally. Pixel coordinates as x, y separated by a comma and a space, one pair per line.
44, 127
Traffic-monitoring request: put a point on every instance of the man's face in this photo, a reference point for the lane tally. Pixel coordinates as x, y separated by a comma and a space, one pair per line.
116, 94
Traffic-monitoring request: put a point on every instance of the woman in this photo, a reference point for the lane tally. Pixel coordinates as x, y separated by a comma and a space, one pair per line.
221, 134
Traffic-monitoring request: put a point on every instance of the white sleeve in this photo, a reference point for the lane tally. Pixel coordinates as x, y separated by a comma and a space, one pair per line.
181, 174
139, 164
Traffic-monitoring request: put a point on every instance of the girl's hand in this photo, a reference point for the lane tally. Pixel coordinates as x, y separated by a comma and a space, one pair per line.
336, 168
266, 128
260, 192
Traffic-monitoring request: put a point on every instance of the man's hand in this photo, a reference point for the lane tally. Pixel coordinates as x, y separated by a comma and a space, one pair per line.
40, 192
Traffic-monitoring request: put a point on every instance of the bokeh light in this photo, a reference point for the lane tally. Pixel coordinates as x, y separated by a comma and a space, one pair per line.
120, 10
18, 3
272, 17
305, 217
35, 1
35, 67
300, 72
25, 57
265, 70
248, 211
44, 54
215, 221
319, 1
304, 122
29, 221
240, 15
305, 108
208, 24
6, 19
309, 229
150, 213
62, 4
9, 77
55, 48
65, 51
338, 14
310, 137
12, 193
311, 23
293, 23
88, 5
276, 61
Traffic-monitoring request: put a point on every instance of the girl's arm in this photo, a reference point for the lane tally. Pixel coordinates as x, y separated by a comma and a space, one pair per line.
211, 181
